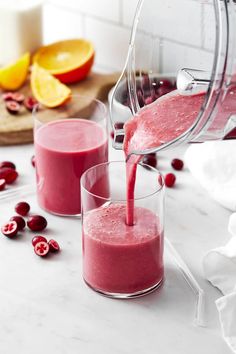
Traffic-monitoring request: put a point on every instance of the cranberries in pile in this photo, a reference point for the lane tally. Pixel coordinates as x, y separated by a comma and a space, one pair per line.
15, 100
170, 180
10, 229
37, 223
8, 173
13, 107
37, 239
22, 208
8, 164
20, 222
149, 90
42, 246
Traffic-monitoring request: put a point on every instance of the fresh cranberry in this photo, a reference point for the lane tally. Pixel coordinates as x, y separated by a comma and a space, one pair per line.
177, 164
119, 125
112, 134
140, 98
22, 208
12, 107
41, 248
36, 223
10, 229
150, 160
164, 90
18, 97
19, 220
7, 164
145, 82
165, 83
8, 174
8, 96
53, 246
2, 184
119, 139
33, 161
30, 103
170, 180
37, 239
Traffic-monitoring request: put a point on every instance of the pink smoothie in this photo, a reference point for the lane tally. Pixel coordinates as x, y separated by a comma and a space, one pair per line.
155, 124
64, 149
118, 258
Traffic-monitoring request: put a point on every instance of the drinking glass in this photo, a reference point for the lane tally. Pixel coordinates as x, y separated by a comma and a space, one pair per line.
122, 261
68, 140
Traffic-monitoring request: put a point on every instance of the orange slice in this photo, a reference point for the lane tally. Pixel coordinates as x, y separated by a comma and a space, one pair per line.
13, 76
70, 60
47, 89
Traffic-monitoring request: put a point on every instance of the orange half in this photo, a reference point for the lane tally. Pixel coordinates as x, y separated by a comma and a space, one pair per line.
47, 89
70, 60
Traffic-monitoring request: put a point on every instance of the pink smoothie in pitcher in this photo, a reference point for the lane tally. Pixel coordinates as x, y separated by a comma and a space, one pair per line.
64, 149
119, 258
162, 121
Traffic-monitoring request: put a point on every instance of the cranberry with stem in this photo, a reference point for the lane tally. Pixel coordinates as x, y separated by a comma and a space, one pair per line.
22, 208
41, 248
8, 174
10, 229
37, 239
170, 180
19, 220
7, 164
37, 223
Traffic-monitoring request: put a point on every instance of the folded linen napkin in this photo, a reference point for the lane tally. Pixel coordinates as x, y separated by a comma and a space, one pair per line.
219, 266
213, 164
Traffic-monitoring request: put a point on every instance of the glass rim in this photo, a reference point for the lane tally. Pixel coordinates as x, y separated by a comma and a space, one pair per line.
99, 103
157, 191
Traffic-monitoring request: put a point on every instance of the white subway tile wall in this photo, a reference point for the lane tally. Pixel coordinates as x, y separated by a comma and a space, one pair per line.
184, 28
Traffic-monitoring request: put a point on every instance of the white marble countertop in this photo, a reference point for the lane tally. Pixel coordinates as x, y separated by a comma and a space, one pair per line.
46, 307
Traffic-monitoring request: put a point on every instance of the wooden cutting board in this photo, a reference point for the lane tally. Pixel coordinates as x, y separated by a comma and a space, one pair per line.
18, 129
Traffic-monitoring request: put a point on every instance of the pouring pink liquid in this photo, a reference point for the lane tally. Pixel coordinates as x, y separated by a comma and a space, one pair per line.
155, 124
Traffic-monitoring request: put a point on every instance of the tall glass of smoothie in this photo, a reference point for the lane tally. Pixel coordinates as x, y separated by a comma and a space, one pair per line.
119, 260
68, 141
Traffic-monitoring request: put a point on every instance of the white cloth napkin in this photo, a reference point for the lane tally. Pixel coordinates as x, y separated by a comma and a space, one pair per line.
219, 266
213, 164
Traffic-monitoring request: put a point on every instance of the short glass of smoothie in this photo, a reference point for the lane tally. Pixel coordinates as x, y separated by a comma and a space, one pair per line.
119, 260
68, 140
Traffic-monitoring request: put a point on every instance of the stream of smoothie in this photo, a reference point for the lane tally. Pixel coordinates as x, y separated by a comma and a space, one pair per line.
156, 124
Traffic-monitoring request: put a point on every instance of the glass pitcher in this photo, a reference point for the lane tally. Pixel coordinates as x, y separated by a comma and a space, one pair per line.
187, 43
